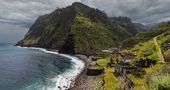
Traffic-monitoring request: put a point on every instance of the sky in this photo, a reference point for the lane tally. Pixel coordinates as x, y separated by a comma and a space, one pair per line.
16, 16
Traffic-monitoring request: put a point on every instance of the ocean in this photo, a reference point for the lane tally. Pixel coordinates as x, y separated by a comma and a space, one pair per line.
36, 69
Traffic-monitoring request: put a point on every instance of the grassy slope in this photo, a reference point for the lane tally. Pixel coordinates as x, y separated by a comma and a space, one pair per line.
147, 50
110, 80
159, 51
145, 36
156, 77
91, 37
91, 28
151, 43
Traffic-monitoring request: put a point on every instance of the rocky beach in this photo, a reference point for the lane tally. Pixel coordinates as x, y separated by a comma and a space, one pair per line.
83, 81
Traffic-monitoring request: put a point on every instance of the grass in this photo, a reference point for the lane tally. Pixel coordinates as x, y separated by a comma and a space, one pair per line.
96, 67
151, 49
139, 82
92, 37
147, 50
161, 82
157, 77
100, 86
110, 79
103, 62
153, 69
144, 36
159, 51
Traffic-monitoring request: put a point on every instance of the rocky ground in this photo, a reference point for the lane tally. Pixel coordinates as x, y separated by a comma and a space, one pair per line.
84, 82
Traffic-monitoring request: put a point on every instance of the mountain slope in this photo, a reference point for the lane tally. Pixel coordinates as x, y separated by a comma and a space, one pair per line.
74, 29
145, 36
127, 24
77, 29
151, 46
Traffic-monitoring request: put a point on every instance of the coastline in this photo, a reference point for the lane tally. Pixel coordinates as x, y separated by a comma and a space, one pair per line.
85, 82
68, 79
74, 79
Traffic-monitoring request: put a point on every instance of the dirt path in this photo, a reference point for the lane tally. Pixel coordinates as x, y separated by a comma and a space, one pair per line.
159, 50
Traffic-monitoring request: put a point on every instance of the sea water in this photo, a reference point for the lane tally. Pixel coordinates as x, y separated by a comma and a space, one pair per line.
36, 69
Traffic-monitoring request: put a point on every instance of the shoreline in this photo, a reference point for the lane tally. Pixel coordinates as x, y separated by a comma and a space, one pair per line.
85, 82
83, 72
74, 79
68, 79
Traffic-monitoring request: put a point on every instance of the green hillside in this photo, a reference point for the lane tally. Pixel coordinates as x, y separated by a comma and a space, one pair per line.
145, 36
76, 29
91, 37
151, 43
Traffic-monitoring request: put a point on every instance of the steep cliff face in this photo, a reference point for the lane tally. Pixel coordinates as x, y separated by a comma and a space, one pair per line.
49, 31
74, 29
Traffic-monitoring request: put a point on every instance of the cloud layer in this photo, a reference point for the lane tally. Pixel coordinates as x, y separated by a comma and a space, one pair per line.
22, 13
143, 11
26, 11
10, 33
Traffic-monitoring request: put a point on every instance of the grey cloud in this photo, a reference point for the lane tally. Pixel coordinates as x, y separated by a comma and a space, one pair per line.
138, 10
11, 33
27, 11
17, 15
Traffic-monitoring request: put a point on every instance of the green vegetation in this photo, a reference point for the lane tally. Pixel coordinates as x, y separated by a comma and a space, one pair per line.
152, 48
159, 77
145, 36
99, 86
93, 30
110, 79
96, 67
103, 62
156, 78
139, 82
79, 29
147, 50
159, 51
91, 37
125, 24
161, 82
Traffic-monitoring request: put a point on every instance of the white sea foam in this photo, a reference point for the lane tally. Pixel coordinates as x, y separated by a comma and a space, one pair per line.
67, 79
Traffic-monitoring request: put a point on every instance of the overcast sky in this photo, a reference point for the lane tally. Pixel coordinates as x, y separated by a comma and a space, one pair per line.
16, 16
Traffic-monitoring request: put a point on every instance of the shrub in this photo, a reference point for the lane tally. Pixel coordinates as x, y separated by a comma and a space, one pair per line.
161, 82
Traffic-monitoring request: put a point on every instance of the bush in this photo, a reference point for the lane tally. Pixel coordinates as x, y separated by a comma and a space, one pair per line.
161, 82
103, 62
110, 80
